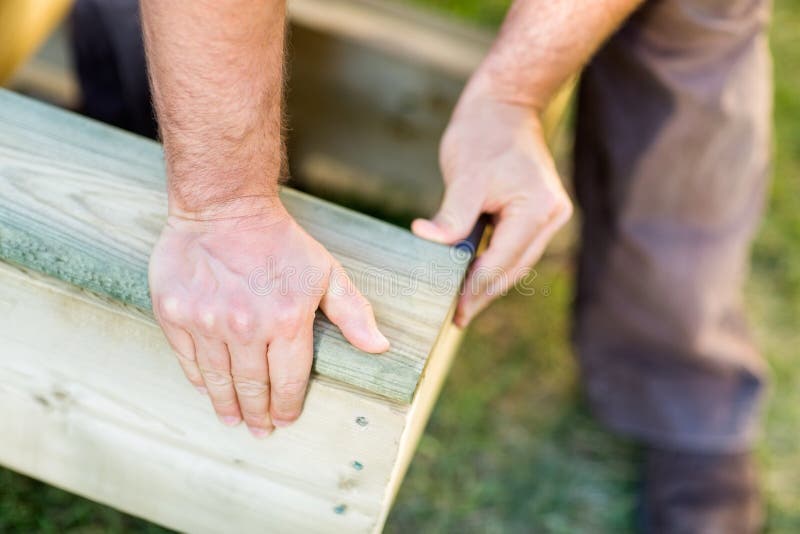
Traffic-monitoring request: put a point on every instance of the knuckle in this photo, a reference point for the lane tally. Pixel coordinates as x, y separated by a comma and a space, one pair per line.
547, 205
289, 390
364, 306
196, 380
339, 283
290, 319
192, 372
289, 416
242, 322
193, 375
206, 319
224, 404
170, 308
250, 388
255, 417
566, 208
451, 219
560, 202
560, 210
185, 358
554, 207
216, 378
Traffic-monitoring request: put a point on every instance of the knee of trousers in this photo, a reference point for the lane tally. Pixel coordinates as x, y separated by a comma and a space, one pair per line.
665, 351
671, 399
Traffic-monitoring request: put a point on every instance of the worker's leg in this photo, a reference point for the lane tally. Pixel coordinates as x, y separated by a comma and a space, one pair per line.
671, 168
673, 153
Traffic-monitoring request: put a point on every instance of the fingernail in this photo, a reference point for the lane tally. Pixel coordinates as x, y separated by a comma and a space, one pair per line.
259, 432
202, 390
279, 423
380, 338
231, 420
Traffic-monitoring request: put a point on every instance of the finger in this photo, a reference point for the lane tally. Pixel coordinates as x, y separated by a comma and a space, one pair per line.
215, 366
181, 342
460, 209
289, 369
491, 272
251, 383
509, 253
183, 345
348, 309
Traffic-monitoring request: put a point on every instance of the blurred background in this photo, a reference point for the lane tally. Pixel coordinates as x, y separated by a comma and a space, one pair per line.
372, 85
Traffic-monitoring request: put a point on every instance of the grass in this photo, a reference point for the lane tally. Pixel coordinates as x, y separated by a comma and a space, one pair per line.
510, 446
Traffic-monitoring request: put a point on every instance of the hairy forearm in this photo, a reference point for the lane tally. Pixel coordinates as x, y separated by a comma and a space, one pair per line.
542, 43
216, 71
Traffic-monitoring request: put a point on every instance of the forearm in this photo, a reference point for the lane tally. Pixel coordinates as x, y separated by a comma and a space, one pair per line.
543, 43
217, 76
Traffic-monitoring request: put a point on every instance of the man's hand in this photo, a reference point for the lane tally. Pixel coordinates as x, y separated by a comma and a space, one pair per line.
494, 160
493, 155
236, 297
235, 282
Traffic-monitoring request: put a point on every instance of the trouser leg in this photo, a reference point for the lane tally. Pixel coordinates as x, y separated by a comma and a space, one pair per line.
109, 58
672, 156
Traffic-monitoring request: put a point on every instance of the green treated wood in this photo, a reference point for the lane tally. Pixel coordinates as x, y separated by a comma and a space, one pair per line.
84, 203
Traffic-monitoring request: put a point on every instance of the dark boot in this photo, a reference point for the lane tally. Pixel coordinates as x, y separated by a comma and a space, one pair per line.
696, 493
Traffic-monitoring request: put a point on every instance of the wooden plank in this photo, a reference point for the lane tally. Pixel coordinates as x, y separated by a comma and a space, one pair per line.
420, 35
420, 410
93, 401
84, 203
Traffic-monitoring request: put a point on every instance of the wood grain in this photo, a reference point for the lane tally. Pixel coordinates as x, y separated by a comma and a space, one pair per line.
92, 401
84, 202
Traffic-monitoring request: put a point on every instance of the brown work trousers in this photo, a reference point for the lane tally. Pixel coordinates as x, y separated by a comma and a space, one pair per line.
672, 157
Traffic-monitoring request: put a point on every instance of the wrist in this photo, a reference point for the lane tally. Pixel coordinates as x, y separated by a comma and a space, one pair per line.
497, 83
265, 208
487, 107
239, 177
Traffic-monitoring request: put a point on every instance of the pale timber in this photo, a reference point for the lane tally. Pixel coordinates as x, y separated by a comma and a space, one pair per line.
92, 399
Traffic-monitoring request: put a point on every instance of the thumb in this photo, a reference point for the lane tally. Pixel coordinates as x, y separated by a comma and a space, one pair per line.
457, 215
348, 309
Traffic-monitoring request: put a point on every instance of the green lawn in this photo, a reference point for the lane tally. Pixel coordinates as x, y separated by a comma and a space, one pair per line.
510, 446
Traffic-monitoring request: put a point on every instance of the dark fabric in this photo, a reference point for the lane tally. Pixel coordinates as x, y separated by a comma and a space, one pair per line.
671, 165
109, 57
691, 493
